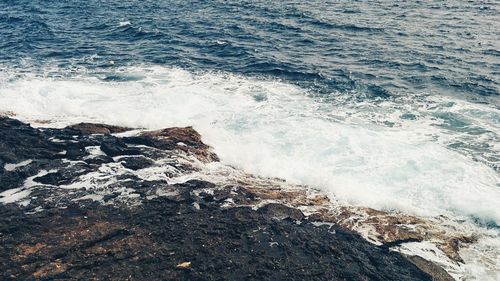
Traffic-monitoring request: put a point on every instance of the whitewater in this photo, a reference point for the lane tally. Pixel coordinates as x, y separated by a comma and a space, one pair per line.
364, 154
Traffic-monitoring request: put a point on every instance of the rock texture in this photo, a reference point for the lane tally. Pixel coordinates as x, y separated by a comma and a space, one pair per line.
81, 203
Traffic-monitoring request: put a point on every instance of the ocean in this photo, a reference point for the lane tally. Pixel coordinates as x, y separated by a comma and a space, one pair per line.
387, 104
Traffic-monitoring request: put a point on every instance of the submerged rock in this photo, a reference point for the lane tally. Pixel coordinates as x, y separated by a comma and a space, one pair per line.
92, 205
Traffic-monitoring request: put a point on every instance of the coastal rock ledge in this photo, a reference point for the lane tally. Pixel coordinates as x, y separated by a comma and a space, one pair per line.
100, 202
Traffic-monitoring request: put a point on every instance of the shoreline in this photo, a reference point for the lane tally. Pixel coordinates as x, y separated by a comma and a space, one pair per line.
114, 171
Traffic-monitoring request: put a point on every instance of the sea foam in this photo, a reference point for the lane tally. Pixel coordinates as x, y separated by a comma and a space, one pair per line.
362, 153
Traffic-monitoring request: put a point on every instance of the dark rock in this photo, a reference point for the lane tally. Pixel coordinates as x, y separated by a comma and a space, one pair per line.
65, 175
136, 163
196, 184
19, 142
103, 242
74, 153
280, 211
141, 140
99, 159
62, 234
117, 148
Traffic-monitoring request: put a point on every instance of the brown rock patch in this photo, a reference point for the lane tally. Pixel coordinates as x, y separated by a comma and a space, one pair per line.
185, 139
93, 128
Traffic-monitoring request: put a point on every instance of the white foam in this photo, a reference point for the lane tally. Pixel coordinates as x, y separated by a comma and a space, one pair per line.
482, 259
274, 129
430, 252
11, 167
124, 23
93, 197
14, 195
95, 150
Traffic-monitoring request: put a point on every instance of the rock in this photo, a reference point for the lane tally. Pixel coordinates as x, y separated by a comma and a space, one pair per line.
117, 147
185, 139
175, 136
92, 128
196, 184
65, 175
136, 163
20, 142
436, 272
50, 269
116, 223
146, 243
280, 212
99, 160
452, 246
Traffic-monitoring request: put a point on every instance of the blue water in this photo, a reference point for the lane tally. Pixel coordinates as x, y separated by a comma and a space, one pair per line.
382, 48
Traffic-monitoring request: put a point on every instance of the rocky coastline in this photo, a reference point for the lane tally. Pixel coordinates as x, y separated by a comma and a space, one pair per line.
102, 202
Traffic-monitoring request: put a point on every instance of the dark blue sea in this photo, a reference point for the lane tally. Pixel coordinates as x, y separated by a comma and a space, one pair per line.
380, 48
393, 105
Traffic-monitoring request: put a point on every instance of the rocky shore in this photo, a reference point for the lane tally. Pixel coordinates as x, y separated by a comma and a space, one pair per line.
100, 202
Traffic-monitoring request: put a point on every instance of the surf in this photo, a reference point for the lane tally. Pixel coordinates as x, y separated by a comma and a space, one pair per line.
364, 154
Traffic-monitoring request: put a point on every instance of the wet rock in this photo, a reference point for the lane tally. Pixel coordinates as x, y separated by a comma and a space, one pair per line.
175, 136
136, 163
436, 272
452, 246
131, 224
141, 140
280, 211
92, 128
99, 159
196, 184
147, 243
20, 142
65, 175
62, 156
395, 229
185, 139
116, 147
10, 180
276, 194
389, 229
